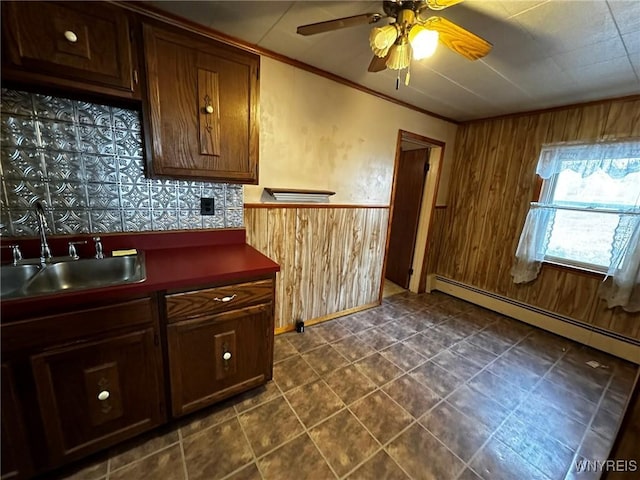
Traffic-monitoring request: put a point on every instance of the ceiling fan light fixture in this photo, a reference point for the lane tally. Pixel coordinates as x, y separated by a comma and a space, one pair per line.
382, 38
423, 41
399, 55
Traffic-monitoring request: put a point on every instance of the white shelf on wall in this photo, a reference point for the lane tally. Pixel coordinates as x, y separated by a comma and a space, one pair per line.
300, 196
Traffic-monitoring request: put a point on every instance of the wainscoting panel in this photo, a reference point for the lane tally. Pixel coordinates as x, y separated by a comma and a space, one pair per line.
330, 258
493, 181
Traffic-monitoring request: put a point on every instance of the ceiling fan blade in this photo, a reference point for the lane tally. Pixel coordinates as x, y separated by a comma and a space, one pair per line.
461, 41
338, 23
378, 64
442, 4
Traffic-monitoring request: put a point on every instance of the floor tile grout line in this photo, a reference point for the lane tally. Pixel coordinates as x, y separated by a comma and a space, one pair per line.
512, 412
574, 459
529, 392
306, 431
183, 456
108, 468
144, 457
244, 432
465, 382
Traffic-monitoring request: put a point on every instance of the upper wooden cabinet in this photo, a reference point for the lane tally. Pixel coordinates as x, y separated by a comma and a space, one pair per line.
202, 107
76, 45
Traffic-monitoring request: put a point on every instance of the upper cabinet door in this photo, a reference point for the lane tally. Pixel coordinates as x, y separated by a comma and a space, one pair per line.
75, 45
202, 107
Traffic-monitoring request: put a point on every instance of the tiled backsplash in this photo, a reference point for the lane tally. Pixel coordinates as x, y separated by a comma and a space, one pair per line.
86, 162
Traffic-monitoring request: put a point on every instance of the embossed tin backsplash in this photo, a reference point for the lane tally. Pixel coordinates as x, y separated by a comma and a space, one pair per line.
85, 161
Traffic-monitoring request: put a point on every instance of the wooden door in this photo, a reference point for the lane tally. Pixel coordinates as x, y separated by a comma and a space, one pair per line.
216, 356
95, 394
410, 177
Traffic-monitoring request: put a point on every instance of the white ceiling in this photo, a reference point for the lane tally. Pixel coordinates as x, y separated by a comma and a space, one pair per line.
545, 53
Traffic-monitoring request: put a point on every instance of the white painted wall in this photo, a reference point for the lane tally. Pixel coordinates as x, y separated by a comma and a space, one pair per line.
319, 134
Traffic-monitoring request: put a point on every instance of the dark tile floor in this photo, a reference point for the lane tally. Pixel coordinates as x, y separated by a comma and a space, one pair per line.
424, 386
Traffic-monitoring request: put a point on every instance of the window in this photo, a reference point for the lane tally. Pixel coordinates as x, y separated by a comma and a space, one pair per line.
588, 213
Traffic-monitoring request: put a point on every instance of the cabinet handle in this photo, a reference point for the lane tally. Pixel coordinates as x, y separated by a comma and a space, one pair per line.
225, 299
226, 356
103, 395
208, 109
70, 36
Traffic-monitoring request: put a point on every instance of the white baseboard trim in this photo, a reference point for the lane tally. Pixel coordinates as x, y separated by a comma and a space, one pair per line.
628, 349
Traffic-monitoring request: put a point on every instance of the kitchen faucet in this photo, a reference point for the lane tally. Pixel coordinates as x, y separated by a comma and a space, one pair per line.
45, 251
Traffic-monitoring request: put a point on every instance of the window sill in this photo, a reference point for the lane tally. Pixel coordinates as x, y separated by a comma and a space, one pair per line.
574, 269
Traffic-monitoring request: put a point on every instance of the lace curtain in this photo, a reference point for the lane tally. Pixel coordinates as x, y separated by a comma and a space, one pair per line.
622, 283
616, 159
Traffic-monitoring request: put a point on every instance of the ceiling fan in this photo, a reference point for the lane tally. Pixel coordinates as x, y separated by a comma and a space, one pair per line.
411, 34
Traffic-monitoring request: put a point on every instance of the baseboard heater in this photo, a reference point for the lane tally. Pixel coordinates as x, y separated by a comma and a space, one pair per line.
591, 335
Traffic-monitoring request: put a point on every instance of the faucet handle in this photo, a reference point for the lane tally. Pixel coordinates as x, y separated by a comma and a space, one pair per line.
15, 250
99, 252
73, 253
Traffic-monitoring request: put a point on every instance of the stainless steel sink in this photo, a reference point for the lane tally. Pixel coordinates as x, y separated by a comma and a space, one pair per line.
73, 275
14, 277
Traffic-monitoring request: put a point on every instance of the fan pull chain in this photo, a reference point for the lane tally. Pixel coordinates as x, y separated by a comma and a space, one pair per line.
407, 76
398, 81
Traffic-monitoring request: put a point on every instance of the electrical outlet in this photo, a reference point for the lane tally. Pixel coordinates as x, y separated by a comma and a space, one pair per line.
207, 206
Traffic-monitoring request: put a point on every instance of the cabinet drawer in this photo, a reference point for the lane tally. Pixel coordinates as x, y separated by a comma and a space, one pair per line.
73, 326
215, 357
181, 306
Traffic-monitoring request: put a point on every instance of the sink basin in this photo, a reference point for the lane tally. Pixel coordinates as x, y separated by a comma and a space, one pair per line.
72, 275
14, 277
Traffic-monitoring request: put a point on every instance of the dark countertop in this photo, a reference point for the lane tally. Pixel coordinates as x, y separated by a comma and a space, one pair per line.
187, 264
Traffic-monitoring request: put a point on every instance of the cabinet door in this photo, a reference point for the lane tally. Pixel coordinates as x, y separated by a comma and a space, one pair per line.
218, 356
95, 394
68, 44
15, 456
203, 99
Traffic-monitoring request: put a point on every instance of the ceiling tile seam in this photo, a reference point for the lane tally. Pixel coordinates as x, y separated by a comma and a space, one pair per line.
463, 87
507, 79
624, 45
527, 9
275, 23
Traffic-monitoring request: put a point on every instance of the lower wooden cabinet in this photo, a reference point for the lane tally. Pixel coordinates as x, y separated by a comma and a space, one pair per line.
16, 462
97, 393
84, 380
214, 357
79, 381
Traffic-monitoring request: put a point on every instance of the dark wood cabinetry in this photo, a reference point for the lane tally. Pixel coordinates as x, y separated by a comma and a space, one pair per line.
202, 106
16, 463
199, 99
94, 379
220, 343
78, 45
97, 393
81, 380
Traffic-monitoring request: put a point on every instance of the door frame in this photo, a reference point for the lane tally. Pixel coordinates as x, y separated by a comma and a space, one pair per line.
429, 195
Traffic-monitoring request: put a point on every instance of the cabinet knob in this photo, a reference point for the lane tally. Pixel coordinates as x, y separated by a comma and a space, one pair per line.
70, 36
225, 299
226, 356
208, 109
103, 395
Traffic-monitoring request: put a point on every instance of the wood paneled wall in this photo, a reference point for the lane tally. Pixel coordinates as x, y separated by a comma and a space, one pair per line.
330, 258
492, 182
